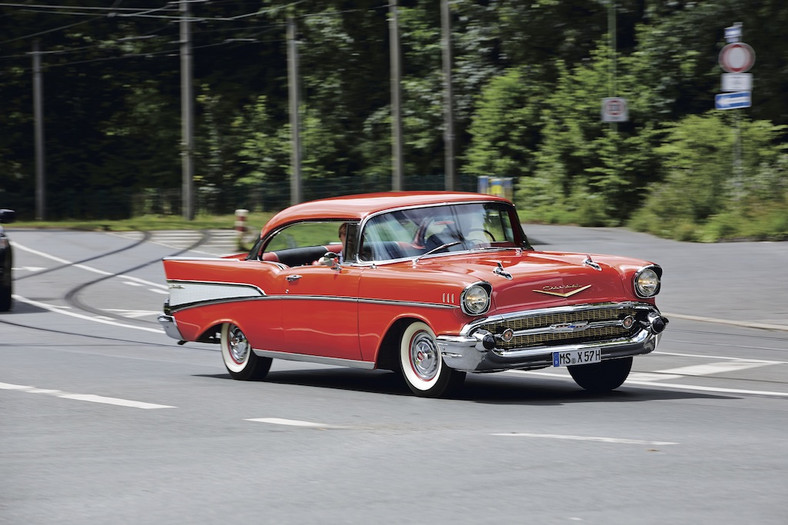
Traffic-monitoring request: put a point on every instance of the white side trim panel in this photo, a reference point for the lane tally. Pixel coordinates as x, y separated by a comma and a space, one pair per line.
182, 292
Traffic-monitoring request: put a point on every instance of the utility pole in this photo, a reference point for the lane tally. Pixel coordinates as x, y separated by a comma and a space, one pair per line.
611, 24
38, 116
187, 114
397, 176
295, 121
448, 137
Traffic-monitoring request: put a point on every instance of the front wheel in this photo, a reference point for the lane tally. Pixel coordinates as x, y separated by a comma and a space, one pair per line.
602, 377
239, 358
422, 365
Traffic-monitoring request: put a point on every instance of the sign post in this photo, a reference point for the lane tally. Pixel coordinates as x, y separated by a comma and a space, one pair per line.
736, 58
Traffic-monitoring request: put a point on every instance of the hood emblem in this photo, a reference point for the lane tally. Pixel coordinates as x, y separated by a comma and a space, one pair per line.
556, 290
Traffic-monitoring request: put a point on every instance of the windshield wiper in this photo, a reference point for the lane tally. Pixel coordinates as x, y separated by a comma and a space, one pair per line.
437, 249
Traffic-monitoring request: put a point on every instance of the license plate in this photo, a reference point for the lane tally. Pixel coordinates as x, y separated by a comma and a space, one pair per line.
577, 357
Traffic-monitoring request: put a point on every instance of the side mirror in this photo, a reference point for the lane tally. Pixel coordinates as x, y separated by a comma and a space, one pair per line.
7, 216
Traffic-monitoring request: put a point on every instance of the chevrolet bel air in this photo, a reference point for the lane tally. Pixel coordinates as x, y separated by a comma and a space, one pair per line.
432, 285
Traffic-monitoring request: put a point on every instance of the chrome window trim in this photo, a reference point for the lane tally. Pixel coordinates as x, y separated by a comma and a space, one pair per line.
363, 224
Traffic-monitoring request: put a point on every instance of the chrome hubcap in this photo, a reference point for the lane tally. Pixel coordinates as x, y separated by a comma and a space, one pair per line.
424, 357
238, 345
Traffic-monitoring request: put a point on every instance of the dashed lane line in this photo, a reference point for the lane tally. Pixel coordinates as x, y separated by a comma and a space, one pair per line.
90, 398
293, 423
597, 439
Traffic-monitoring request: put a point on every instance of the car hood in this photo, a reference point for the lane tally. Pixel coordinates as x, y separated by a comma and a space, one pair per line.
543, 279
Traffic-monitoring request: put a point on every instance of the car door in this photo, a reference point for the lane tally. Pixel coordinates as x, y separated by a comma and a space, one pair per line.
320, 311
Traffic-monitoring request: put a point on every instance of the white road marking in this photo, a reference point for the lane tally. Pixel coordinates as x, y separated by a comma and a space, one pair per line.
743, 324
292, 422
650, 382
713, 368
713, 390
90, 398
27, 268
59, 310
617, 441
89, 268
134, 314
726, 358
649, 377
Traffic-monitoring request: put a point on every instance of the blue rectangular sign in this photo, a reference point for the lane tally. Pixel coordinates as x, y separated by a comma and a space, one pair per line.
739, 99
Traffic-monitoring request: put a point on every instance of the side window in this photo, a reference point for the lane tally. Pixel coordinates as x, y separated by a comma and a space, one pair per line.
496, 221
303, 243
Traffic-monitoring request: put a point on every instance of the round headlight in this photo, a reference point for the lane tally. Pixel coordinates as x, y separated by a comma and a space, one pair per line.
647, 282
476, 300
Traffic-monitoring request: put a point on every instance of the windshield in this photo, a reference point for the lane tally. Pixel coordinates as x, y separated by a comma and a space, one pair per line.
421, 231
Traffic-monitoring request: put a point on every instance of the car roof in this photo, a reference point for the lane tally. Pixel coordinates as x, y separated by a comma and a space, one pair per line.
357, 207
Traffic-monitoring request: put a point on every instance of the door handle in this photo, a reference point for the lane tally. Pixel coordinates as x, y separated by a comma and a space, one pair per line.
293, 278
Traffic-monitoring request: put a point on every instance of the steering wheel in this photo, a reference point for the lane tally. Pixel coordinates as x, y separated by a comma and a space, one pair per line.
485, 232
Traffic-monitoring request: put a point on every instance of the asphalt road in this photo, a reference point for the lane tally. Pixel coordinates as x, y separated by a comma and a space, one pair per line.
104, 419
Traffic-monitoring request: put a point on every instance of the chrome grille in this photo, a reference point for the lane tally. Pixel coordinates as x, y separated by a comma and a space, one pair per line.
541, 334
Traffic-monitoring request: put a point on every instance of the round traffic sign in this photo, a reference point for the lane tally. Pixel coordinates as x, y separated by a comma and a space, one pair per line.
614, 109
737, 57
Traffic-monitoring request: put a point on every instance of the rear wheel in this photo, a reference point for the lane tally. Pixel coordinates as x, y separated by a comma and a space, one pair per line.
422, 365
602, 377
239, 358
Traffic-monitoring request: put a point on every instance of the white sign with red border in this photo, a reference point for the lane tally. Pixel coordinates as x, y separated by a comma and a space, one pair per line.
737, 57
614, 109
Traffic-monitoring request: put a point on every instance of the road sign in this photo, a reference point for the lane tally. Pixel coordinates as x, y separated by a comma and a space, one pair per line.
614, 109
737, 82
733, 33
742, 99
737, 57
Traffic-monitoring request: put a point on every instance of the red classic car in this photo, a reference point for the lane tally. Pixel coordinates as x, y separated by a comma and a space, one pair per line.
430, 284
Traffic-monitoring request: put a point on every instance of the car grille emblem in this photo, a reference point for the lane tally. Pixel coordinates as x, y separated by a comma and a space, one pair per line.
577, 326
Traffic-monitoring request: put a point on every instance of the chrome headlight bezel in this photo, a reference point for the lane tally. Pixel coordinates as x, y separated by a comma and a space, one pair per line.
647, 281
475, 299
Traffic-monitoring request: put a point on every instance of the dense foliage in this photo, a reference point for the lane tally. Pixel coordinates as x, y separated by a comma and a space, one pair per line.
528, 79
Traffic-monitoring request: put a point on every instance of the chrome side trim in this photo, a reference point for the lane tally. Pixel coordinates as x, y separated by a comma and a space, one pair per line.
223, 300
367, 365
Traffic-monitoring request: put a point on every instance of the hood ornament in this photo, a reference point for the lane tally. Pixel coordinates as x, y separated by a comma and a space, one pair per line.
592, 264
503, 273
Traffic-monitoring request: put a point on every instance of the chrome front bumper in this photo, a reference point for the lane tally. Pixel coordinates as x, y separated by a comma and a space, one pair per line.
477, 350
170, 326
